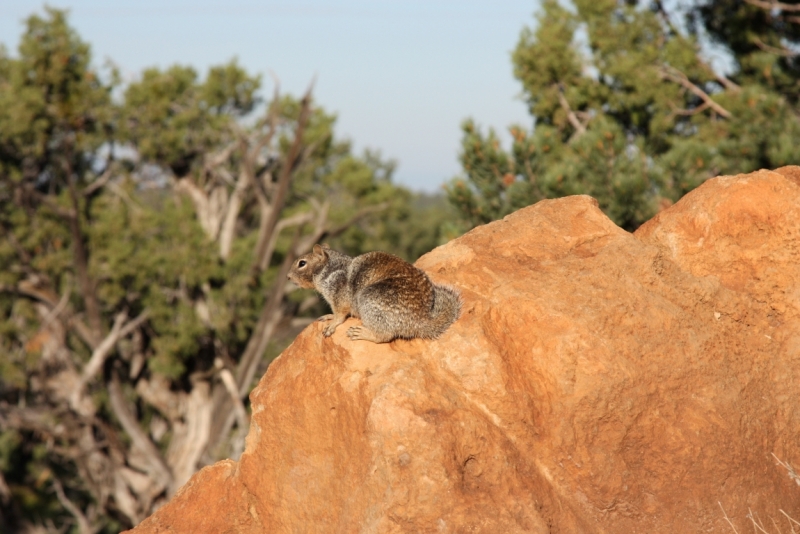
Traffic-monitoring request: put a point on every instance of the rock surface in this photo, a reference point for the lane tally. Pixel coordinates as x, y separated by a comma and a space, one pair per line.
597, 381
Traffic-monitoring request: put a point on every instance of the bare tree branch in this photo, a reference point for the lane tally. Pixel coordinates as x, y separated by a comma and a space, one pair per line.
247, 177
128, 503
783, 51
45, 296
21, 252
159, 469
103, 349
275, 96
83, 524
677, 76
5, 492
687, 112
772, 4
728, 84
667, 20
242, 420
279, 196
232, 214
156, 392
214, 160
271, 120
580, 128
262, 184
191, 434
298, 219
53, 314
206, 205
124, 196
262, 332
52, 204
99, 355
324, 232
230, 386
81, 258
100, 181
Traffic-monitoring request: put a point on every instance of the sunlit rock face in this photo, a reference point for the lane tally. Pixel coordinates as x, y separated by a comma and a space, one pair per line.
596, 381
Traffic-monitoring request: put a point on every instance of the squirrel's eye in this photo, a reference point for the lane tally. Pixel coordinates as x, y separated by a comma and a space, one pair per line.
301, 263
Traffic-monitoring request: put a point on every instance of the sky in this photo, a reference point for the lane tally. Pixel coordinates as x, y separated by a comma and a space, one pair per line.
401, 75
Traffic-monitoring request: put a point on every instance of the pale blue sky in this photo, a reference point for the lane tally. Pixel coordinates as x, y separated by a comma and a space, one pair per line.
400, 74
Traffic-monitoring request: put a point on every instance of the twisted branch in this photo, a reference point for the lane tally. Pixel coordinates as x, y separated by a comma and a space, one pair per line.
673, 74
159, 470
783, 51
580, 128
84, 527
101, 353
772, 4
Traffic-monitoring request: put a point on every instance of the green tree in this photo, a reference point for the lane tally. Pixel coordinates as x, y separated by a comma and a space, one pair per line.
626, 109
761, 36
144, 246
56, 117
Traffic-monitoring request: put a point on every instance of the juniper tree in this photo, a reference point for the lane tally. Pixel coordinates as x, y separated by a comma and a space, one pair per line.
143, 248
626, 108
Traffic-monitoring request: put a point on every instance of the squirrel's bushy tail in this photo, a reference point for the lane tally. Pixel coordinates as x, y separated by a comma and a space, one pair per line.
446, 309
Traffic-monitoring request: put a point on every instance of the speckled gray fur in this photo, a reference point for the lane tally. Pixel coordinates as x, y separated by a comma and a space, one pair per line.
392, 298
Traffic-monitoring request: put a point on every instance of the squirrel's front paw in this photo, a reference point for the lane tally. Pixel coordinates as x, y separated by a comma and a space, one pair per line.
327, 317
354, 333
329, 330
362, 333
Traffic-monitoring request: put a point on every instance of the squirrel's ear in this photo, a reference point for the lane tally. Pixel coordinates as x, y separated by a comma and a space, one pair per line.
325, 246
320, 250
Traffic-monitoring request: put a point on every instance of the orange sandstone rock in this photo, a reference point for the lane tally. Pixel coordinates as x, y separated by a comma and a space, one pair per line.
597, 381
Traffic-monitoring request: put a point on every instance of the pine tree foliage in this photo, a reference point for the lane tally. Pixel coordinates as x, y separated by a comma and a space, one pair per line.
627, 109
144, 244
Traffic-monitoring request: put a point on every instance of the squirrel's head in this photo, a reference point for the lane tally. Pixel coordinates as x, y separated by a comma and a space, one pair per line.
306, 266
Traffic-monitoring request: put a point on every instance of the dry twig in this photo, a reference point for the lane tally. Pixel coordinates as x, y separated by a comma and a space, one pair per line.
278, 199
100, 181
119, 331
772, 4
792, 521
790, 470
84, 527
673, 74
159, 470
580, 128
725, 515
783, 51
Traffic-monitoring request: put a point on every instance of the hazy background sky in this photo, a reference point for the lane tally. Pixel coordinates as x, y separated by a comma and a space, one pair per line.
400, 74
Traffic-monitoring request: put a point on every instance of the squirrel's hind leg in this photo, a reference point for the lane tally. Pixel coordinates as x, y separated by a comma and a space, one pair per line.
362, 333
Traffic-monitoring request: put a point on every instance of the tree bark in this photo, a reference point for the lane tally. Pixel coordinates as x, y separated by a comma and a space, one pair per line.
81, 263
279, 196
159, 470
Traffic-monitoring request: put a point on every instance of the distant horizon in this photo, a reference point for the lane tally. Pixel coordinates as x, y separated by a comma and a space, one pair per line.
400, 76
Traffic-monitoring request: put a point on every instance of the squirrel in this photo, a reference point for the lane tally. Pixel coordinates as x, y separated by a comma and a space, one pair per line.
392, 298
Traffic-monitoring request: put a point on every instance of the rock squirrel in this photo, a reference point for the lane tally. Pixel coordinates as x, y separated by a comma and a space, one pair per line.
392, 298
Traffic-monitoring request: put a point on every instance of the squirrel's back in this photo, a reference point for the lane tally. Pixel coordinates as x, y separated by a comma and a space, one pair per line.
393, 297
